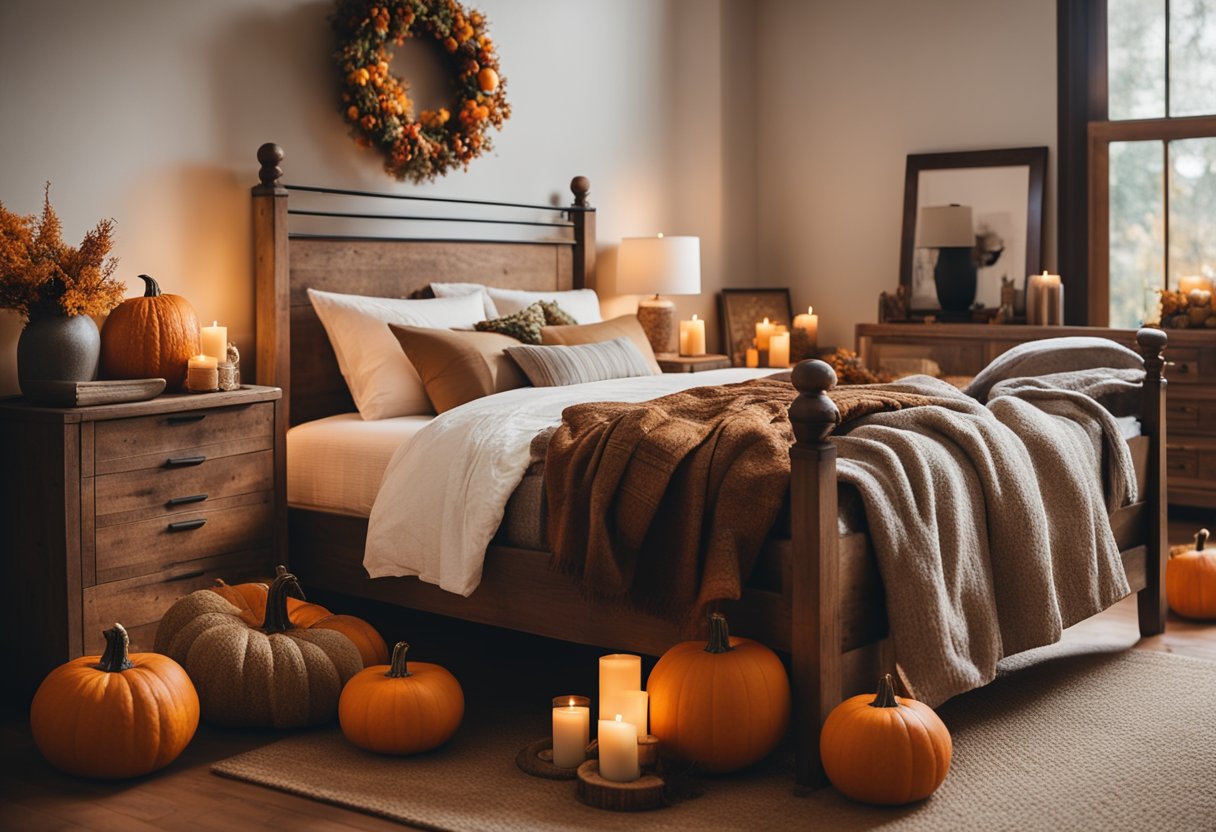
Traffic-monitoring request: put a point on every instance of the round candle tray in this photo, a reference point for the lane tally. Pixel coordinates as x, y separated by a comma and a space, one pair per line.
639, 795
537, 759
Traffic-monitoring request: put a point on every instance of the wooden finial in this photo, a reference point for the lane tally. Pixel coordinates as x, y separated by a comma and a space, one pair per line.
813, 415
270, 155
580, 186
1152, 344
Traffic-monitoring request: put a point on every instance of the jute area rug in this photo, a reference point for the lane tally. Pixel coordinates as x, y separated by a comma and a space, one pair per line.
1101, 741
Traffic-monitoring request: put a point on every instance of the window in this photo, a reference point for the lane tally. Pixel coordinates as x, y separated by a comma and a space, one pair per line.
1147, 105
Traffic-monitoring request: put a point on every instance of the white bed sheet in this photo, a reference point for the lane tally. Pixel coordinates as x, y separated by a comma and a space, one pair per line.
336, 464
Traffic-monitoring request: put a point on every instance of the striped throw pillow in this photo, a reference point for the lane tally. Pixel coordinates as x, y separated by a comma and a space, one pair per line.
558, 366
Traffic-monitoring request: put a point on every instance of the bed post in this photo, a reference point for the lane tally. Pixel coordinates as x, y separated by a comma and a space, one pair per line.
1150, 601
815, 643
272, 321
582, 216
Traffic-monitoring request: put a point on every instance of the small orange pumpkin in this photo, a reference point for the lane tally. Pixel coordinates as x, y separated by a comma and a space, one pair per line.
1190, 580
250, 599
115, 715
399, 708
153, 336
885, 749
724, 704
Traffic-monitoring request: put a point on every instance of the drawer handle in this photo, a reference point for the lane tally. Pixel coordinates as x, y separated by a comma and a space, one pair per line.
187, 418
188, 525
193, 498
184, 461
185, 576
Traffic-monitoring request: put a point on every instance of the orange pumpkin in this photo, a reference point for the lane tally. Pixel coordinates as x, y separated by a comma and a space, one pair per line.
399, 708
114, 715
1190, 580
885, 749
250, 599
153, 336
487, 80
723, 705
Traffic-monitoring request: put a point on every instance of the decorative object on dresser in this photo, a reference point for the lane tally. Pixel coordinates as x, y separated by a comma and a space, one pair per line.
662, 266
1190, 579
154, 335
1190, 309
1004, 190
963, 350
742, 310
1044, 300
947, 230
374, 101
56, 289
119, 509
692, 364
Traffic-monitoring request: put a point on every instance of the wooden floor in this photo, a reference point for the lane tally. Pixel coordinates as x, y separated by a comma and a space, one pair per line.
186, 796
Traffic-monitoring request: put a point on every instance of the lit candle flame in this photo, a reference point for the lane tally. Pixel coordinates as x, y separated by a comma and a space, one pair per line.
766, 320
571, 701
618, 718
694, 316
810, 310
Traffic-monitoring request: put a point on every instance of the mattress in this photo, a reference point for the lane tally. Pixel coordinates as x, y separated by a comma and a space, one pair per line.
335, 464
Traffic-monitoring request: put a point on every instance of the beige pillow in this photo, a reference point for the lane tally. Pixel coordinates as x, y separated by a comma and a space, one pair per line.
626, 326
458, 367
558, 366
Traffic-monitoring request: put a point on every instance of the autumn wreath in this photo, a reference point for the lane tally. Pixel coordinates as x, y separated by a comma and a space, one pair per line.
375, 101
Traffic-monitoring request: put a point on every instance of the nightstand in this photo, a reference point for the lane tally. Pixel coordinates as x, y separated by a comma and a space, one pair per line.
670, 362
111, 513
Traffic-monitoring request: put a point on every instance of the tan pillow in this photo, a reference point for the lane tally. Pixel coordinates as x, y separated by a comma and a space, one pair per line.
458, 367
626, 326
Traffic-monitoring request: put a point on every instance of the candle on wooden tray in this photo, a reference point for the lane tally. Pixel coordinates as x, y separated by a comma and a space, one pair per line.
632, 705
618, 750
779, 350
214, 339
806, 326
618, 672
201, 374
764, 331
752, 358
692, 337
571, 730
1194, 281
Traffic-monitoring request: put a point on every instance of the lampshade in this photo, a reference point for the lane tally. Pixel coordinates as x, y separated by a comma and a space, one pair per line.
945, 226
659, 265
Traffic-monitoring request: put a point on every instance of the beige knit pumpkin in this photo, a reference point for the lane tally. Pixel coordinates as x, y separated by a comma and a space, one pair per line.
279, 675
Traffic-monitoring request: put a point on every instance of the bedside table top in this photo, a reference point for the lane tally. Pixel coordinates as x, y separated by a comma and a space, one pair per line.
671, 362
18, 408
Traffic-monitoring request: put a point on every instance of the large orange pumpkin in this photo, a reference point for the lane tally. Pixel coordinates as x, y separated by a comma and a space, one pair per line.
114, 715
250, 599
400, 708
153, 336
1190, 580
885, 749
724, 704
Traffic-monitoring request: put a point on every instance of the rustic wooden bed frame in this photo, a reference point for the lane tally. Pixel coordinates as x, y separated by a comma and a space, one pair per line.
816, 595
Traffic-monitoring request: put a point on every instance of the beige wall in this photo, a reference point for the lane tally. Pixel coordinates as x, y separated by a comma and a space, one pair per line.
846, 91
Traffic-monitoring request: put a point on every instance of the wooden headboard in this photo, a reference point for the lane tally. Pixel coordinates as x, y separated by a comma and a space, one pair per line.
293, 352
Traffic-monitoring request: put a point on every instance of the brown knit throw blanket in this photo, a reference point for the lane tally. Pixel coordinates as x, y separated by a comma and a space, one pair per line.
666, 504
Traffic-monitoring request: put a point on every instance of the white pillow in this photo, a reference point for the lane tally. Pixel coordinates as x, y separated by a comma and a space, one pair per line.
451, 290
381, 379
581, 304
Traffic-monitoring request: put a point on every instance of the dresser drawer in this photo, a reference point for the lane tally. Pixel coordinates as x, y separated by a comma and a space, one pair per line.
148, 546
1185, 365
138, 603
148, 492
179, 438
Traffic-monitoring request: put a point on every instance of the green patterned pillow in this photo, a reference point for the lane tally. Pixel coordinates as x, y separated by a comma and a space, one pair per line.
555, 315
524, 326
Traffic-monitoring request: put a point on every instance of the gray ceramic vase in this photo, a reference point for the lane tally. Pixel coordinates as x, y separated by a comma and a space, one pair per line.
58, 348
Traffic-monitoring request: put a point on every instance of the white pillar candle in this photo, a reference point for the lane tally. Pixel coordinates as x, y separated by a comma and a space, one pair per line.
1044, 300
764, 331
753, 357
618, 750
692, 337
201, 374
632, 705
618, 672
571, 730
215, 341
809, 324
779, 350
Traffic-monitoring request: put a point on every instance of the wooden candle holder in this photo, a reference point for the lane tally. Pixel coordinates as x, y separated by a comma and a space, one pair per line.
639, 795
537, 759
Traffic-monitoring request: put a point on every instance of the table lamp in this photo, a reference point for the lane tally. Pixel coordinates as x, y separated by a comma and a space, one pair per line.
662, 266
948, 229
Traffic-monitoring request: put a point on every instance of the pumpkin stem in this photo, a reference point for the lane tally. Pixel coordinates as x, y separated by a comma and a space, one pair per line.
115, 658
284, 584
1201, 539
885, 698
719, 634
151, 287
397, 669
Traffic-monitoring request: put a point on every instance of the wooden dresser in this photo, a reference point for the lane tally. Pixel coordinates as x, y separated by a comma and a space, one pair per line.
111, 513
964, 349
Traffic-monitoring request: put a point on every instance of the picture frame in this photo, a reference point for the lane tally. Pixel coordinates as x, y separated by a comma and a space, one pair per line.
741, 309
1005, 189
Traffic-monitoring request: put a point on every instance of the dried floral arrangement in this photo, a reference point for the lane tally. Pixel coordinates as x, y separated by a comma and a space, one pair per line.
40, 275
850, 370
375, 102
1190, 310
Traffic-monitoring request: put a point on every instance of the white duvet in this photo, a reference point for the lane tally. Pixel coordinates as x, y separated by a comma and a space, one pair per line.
444, 493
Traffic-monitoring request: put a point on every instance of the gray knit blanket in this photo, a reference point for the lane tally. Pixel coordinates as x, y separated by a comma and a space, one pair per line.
990, 521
